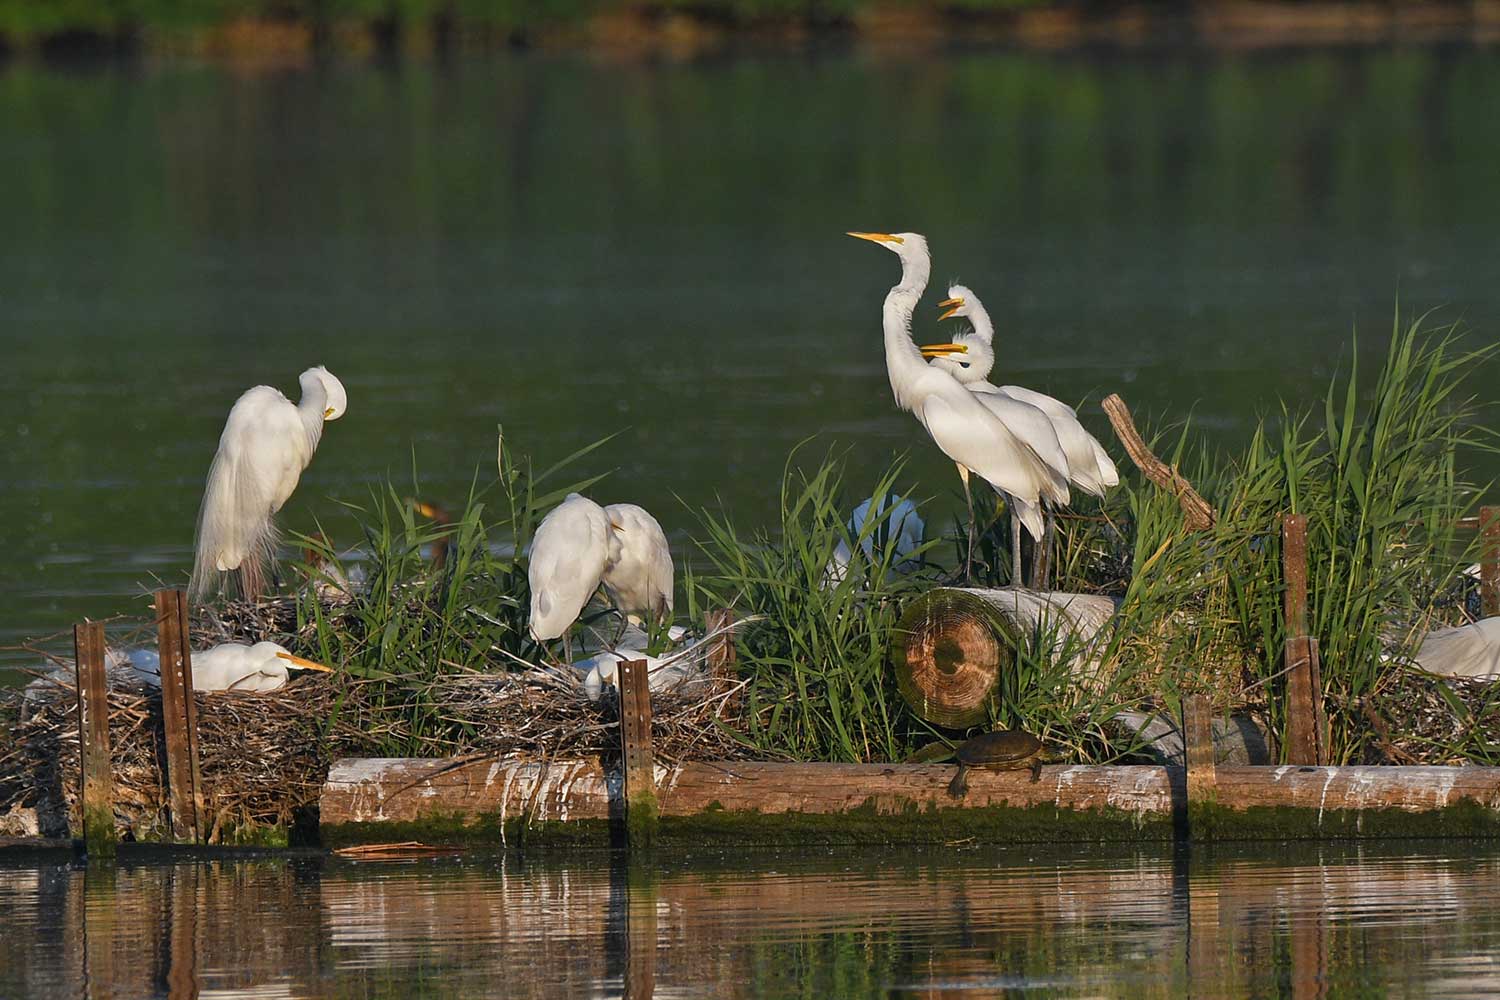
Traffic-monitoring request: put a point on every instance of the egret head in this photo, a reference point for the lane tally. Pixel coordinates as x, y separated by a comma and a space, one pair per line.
960, 302
338, 401
270, 651
910, 247
968, 357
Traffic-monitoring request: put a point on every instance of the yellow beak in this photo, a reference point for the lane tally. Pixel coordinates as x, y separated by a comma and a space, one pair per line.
877, 237
328, 413
943, 350
427, 510
299, 662
955, 303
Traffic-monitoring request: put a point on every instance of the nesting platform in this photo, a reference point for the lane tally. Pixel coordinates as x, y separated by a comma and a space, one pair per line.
737, 803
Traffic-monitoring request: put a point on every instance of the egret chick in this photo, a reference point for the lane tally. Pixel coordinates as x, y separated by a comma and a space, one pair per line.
903, 525
267, 442
968, 433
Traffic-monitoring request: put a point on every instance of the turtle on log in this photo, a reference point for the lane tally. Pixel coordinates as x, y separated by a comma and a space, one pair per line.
1004, 750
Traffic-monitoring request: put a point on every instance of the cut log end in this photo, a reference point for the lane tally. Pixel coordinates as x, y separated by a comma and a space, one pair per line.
947, 662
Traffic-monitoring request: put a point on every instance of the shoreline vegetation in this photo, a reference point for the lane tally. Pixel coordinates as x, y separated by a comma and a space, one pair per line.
437, 662
258, 31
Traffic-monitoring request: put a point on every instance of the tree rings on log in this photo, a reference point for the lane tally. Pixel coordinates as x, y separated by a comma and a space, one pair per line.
952, 645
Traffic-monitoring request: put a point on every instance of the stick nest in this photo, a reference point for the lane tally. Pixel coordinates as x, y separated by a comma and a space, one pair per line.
264, 757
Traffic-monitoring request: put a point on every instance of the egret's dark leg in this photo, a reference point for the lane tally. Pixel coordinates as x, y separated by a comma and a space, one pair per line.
1041, 560
1015, 548
963, 474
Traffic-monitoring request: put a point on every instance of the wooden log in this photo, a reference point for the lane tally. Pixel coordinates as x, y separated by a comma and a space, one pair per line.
179, 713
95, 791
1302, 694
1197, 727
372, 798
1489, 561
953, 644
1197, 514
635, 753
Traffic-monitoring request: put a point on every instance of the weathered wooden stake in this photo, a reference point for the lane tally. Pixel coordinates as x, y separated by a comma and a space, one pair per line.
1489, 560
179, 714
1302, 694
1202, 767
94, 791
721, 656
636, 754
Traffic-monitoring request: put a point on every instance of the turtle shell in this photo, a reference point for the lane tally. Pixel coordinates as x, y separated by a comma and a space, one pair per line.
1007, 747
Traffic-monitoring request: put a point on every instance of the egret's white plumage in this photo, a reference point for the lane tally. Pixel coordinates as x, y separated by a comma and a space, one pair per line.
568, 554
966, 431
1086, 463
267, 442
229, 666
638, 576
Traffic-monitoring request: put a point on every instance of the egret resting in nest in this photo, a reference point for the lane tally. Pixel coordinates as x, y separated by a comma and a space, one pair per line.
1018, 454
230, 666
267, 442
970, 356
580, 545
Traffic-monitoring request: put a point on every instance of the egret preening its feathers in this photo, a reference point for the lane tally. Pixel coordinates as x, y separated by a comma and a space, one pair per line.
267, 442
968, 433
580, 545
970, 356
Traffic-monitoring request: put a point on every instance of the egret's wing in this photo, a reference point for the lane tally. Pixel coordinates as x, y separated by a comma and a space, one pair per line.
1089, 466
641, 575
1032, 428
262, 451
971, 436
568, 554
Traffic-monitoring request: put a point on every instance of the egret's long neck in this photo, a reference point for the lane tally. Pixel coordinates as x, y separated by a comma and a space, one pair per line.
903, 361
979, 318
310, 409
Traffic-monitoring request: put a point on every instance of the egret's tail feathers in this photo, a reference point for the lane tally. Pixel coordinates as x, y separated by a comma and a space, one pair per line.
1108, 474
236, 539
1030, 516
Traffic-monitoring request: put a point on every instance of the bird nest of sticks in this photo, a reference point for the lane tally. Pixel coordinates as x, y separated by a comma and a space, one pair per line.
263, 757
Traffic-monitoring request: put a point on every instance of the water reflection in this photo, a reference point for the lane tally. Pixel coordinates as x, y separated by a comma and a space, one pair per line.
1312, 921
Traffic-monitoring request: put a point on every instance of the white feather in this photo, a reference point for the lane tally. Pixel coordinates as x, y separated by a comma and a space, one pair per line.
639, 574
568, 554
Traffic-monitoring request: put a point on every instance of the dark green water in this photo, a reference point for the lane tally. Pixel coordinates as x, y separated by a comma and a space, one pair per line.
1408, 920
572, 247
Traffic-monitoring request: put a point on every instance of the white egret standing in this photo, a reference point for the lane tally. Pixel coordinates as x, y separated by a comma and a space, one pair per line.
568, 554
267, 442
968, 433
638, 577
970, 356
580, 545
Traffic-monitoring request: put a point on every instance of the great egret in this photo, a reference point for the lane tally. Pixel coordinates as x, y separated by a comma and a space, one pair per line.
267, 442
580, 545
968, 433
662, 672
902, 524
970, 356
229, 666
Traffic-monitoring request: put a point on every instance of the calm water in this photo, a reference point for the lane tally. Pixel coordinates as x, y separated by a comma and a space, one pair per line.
1399, 920
571, 246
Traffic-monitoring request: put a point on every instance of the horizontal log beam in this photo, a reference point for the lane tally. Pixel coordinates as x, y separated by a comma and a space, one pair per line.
495, 799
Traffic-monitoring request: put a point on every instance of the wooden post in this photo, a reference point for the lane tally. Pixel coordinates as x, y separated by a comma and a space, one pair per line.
94, 792
1202, 767
1489, 561
721, 655
179, 714
636, 755
1301, 694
